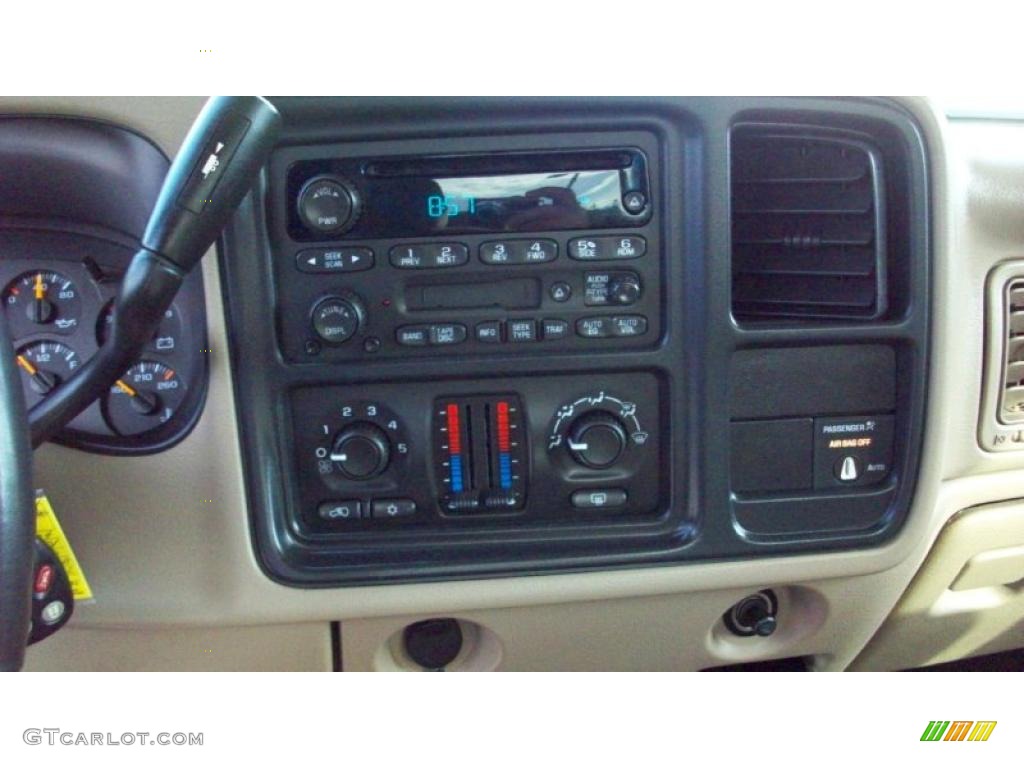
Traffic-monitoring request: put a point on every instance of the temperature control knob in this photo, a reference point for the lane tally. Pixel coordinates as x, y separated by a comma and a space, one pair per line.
361, 450
597, 440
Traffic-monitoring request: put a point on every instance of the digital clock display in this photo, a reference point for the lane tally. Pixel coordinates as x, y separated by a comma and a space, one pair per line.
446, 205
518, 202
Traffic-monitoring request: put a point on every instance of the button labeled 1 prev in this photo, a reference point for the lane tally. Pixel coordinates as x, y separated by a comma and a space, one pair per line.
852, 451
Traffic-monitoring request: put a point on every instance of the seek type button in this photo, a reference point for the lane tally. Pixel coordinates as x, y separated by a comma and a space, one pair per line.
522, 330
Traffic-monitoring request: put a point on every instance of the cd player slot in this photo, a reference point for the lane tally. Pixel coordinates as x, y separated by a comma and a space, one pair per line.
513, 293
470, 165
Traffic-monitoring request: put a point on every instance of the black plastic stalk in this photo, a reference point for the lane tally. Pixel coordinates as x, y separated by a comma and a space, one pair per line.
215, 168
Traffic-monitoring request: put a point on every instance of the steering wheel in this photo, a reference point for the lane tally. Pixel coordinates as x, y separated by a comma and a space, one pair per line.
17, 515
218, 163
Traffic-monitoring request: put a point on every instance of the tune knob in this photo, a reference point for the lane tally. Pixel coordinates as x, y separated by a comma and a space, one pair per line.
327, 204
361, 451
336, 319
597, 440
624, 289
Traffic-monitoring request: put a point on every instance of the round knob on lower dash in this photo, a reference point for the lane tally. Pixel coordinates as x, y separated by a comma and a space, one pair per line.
597, 440
361, 451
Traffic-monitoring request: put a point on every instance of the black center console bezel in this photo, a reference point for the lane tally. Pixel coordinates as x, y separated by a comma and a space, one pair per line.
691, 356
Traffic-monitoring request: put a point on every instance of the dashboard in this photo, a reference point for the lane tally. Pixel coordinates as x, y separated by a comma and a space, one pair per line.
496, 350
594, 378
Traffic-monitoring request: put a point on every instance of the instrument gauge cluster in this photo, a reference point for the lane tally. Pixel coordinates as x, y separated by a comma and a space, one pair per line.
59, 292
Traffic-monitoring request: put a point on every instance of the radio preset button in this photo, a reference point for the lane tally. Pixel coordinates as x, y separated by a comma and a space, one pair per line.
594, 327
607, 248
503, 252
536, 251
428, 255
322, 260
489, 332
522, 330
443, 334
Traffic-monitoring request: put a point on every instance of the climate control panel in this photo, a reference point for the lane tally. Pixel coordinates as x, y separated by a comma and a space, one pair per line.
445, 455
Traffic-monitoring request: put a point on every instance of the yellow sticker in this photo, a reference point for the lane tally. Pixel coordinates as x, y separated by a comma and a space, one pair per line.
48, 529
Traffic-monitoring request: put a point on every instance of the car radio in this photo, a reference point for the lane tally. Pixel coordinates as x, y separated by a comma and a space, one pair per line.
469, 253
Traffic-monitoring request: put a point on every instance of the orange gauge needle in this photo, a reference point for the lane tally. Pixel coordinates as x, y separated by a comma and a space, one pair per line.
125, 388
40, 289
29, 368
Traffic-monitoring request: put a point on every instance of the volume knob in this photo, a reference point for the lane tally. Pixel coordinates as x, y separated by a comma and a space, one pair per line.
361, 451
597, 440
328, 205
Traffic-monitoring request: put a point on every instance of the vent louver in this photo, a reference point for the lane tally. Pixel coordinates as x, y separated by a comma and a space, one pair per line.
808, 237
1013, 360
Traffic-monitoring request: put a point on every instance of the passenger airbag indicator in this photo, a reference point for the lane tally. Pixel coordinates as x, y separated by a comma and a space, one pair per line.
853, 451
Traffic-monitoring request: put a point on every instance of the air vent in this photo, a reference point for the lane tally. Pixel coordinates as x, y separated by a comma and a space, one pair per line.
1012, 402
808, 237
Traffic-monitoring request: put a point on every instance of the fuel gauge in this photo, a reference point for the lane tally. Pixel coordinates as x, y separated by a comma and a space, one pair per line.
45, 365
147, 396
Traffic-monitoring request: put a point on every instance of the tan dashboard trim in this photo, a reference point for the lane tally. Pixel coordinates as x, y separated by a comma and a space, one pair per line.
166, 539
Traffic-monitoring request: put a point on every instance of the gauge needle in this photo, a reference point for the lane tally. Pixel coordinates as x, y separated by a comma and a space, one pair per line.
144, 403
40, 311
29, 368
43, 382
125, 388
